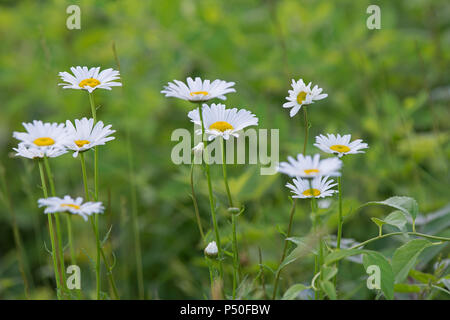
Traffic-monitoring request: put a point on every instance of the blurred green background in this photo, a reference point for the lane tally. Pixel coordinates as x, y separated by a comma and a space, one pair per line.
389, 87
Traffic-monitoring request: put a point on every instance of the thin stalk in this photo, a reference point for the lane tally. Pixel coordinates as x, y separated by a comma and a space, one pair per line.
340, 222
305, 117
426, 236
318, 259
51, 232
233, 221
58, 224
194, 201
277, 276
211, 198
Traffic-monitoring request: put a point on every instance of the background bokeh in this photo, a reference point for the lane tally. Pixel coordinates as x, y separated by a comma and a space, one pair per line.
389, 87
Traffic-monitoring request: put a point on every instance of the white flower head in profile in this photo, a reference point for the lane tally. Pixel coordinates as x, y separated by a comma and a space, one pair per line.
90, 79
301, 95
84, 135
198, 89
221, 122
319, 187
339, 145
41, 138
310, 167
73, 206
32, 152
211, 250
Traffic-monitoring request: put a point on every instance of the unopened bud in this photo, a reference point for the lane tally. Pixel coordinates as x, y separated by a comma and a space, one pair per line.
211, 250
234, 210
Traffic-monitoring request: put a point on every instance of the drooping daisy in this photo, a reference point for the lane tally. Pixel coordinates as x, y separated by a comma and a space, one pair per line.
301, 95
339, 145
74, 206
198, 90
320, 187
222, 122
90, 79
84, 135
33, 152
310, 167
42, 135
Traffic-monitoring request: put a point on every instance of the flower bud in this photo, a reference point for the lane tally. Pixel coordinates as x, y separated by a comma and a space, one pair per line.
234, 210
211, 250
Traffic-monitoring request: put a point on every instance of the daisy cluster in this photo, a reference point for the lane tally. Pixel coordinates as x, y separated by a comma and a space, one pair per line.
50, 140
311, 174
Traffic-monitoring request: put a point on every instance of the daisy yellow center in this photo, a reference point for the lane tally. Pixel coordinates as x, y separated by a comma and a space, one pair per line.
221, 126
309, 171
70, 205
81, 143
44, 142
91, 82
301, 97
205, 93
340, 148
311, 192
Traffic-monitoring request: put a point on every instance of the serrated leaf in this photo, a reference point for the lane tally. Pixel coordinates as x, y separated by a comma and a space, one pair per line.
405, 257
406, 205
293, 291
328, 288
386, 273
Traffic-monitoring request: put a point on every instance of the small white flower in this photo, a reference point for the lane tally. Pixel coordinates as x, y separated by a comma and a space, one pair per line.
310, 167
211, 249
84, 135
320, 187
43, 136
339, 145
301, 95
74, 206
32, 152
198, 90
90, 79
198, 149
221, 122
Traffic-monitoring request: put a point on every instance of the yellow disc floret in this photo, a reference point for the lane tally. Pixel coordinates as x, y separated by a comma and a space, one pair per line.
81, 143
70, 205
311, 192
301, 97
91, 82
309, 171
44, 142
340, 148
221, 126
205, 93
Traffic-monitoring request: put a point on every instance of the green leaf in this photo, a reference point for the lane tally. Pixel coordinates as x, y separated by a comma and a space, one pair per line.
301, 250
406, 288
341, 254
329, 272
422, 276
293, 291
397, 219
378, 222
329, 289
405, 257
406, 205
386, 273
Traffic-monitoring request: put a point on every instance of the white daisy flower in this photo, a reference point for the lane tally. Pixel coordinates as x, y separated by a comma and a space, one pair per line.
320, 187
74, 206
211, 250
339, 145
222, 122
84, 135
90, 79
301, 95
43, 136
310, 167
198, 90
32, 152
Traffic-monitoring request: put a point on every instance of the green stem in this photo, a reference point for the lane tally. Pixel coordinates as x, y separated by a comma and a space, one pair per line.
397, 234
233, 220
277, 276
51, 231
340, 222
194, 201
318, 260
58, 224
211, 197
305, 114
